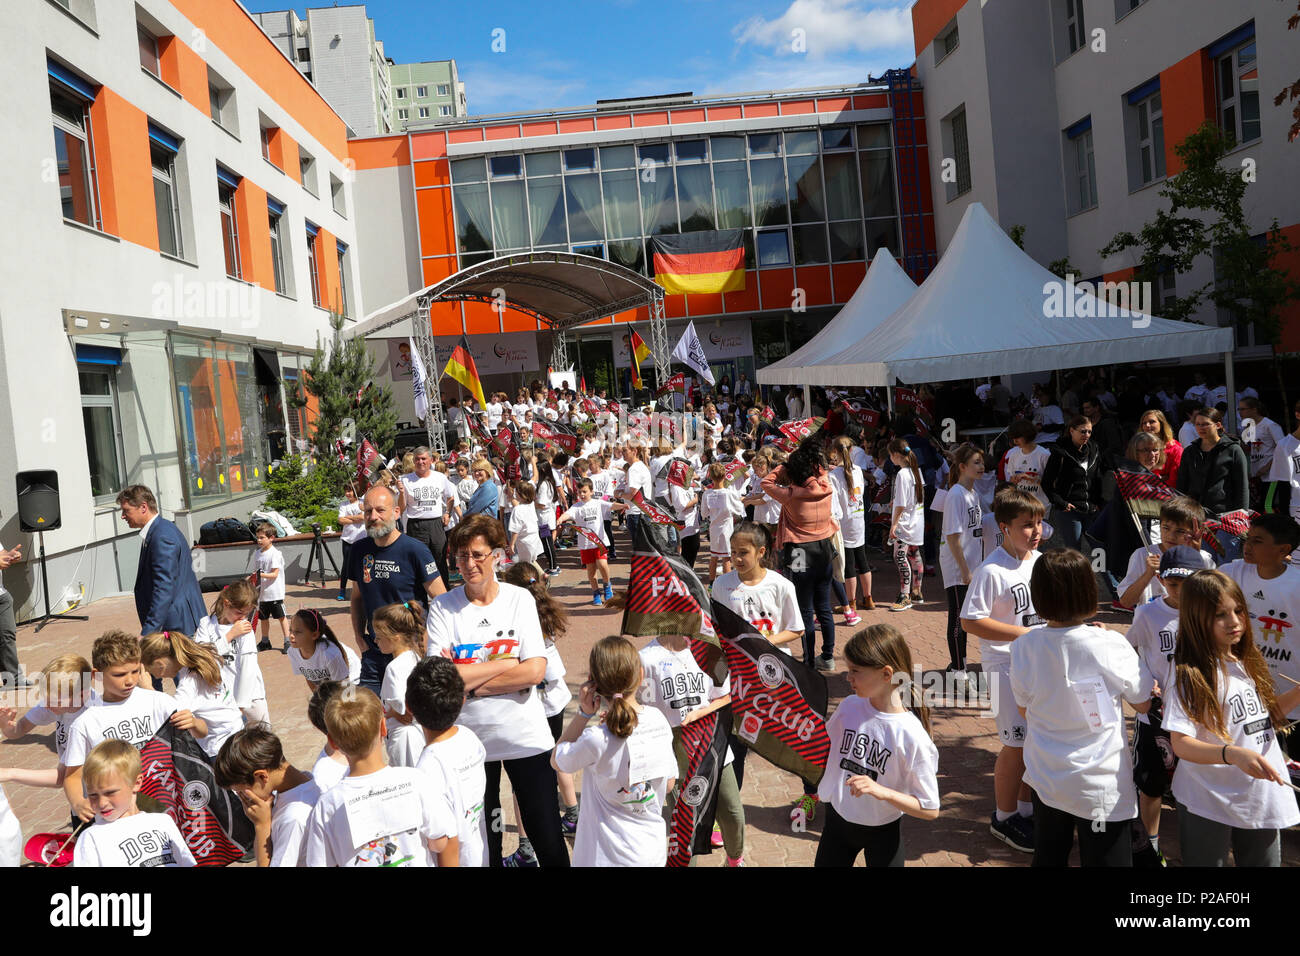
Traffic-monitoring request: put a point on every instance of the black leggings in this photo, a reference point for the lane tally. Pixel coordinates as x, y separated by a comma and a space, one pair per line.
842, 841
533, 780
548, 549
1054, 838
690, 548
956, 636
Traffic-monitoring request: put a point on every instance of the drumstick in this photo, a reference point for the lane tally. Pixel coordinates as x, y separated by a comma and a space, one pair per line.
1291, 679
71, 836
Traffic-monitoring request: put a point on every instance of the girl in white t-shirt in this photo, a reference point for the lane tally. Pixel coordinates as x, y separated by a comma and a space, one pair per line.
850, 487
628, 761
399, 631
229, 632
1221, 714
720, 505
962, 548
882, 763
317, 654
767, 510
525, 539
205, 703
1070, 681
907, 528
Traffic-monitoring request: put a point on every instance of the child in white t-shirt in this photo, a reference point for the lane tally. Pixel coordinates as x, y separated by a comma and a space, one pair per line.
331, 764
627, 762
525, 540
270, 576
278, 797
763, 598
907, 526
205, 702
399, 633
317, 654
122, 835
961, 549
592, 514
882, 763
377, 815
1181, 523
1024, 463
720, 505
1070, 681
229, 632
453, 755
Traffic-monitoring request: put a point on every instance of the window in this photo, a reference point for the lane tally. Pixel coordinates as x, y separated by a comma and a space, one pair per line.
773, 248
266, 144
344, 306
505, 167
99, 413
311, 264
401, 92
337, 196
73, 155
163, 149
1074, 28
275, 213
424, 112
1237, 87
226, 186
444, 89
1081, 166
304, 55
1124, 7
1166, 290
1146, 127
444, 110
148, 51
957, 148
221, 102
946, 41
421, 92
307, 169
403, 114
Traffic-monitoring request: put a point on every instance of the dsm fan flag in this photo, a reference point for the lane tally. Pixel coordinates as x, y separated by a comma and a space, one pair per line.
178, 776
704, 744
700, 262
461, 368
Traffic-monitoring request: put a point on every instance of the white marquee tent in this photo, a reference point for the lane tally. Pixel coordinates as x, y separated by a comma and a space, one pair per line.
989, 309
885, 288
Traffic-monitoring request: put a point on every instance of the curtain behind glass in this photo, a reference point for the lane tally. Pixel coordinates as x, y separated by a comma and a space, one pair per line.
546, 213
695, 198
196, 397
808, 201
622, 212
841, 186
768, 179
877, 184
473, 218
582, 199
731, 188
509, 217
659, 202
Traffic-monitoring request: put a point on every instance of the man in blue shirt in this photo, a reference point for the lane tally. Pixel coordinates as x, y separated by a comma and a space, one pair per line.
389, 568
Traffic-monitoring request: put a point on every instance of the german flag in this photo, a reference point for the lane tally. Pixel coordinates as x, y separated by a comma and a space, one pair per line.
640, 352
461, 367
700, 262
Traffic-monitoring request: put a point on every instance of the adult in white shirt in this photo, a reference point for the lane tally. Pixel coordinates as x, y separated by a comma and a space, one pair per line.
493, 412
426, 503
493, 633
1260, 434
352, 525
636, 478
794, 404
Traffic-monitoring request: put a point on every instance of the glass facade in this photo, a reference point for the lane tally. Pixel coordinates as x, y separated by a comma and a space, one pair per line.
802, 197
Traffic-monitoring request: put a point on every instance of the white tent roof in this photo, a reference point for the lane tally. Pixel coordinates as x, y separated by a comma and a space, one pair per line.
885, 288
987, 310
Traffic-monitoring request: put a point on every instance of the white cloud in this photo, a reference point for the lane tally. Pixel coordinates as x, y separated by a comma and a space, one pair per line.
491, 87
829, 27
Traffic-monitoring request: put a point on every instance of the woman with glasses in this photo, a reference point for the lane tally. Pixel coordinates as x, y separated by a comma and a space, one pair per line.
1072, 480
492, 632
1153, 422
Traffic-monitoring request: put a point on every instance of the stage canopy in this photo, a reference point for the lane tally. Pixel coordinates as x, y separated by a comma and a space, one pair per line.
885, 288
989, 309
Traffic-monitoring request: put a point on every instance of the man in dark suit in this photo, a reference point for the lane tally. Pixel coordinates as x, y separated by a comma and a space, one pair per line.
167, 595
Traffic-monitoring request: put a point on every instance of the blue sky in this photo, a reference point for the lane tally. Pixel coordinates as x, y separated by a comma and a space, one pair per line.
573, 52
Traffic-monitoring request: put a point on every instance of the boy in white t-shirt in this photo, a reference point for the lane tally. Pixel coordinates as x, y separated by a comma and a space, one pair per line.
1285, 469
453, 755
122, 835
270, 578
593, 514
1182, 521
997, 610
126, 711
278, 797
377, 815
1024, 463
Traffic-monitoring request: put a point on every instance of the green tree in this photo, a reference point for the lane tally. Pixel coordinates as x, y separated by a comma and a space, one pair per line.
1292, 92
1205, 217
340, 378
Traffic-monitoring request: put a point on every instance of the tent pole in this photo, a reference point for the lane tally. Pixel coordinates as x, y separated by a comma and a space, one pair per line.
889, 400
1230, 383
807, 401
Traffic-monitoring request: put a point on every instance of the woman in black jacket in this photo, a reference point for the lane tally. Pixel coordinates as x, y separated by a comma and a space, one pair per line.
1216, 472
1072, 481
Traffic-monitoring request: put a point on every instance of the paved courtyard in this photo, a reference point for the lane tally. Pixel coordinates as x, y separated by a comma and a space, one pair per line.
965, 736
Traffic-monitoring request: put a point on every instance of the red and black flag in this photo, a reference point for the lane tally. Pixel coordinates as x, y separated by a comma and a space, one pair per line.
367, 455
868, 418
675, 383
1142, 491
700, 262
733, 471
780, 704
680, 473
178, 775
553, 436
652, 511
792, 433
1236, 523
705, 744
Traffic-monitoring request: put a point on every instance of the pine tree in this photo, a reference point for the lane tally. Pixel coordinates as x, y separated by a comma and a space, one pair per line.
340, 378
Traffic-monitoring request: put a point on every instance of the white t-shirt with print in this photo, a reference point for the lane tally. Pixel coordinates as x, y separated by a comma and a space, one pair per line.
767, 511
673, 683
591, 515
460, 758
770, 606
1223, 793
405, 741
999, 589
39, 716
140, 840
216, 636
1030, 466
267, 561
1268, 434
1072, 683
1286, 469
134, 720
427, 496
289, 815
1154, 635
326, 663
555, 691
911, 498
351, 533
892, 749
853, 525
510, 725
214, 705
625, 788
385, 818
964, 517
637, 478
1274, 607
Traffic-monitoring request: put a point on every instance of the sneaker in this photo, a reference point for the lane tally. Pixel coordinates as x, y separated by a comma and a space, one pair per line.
715, 839
805, 808
568, 825
609, 591
285, 648
824, 663
552, 572
598, 599
902, 604
916, 598
738, 861
1148, 857
263, 645
851, 618
1015, 831
340, 596
1123, 609
520, 859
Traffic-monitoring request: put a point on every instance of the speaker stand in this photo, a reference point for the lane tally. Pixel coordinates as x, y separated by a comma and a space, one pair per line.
45, 587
